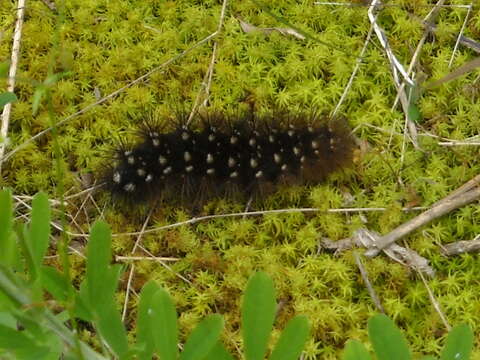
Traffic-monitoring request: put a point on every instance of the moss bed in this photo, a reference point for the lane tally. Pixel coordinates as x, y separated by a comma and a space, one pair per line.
105, 45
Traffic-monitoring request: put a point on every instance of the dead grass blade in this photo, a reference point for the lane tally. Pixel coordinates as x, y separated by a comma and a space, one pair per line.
462, 70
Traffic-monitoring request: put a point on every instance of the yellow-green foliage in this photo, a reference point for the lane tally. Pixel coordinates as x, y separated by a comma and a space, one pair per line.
107, 44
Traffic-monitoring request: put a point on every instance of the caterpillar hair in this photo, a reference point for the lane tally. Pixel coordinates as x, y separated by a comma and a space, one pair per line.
221, 153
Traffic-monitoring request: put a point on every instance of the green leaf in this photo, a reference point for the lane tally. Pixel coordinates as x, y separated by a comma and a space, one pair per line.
292, 340
428, 357
55, 283
414, 113
55, 347
24, 242
39, 230
258, 314
7, 97
32, 325
82, 308
13, 291
111, 328
355, 350
7, 241
163, 323
4, 68
37, 98
20, 344
42, 89
464, 69
102, 280
459, 343
63, 316
387, 340
203, 338
113, 278
12, 254
219, 353
8, 320
53, 79
5, 214
145, 338
98, 265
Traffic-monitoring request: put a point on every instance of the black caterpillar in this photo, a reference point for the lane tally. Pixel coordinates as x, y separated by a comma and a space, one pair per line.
221, 154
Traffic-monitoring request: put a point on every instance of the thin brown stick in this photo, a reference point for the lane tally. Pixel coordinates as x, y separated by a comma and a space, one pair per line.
435, 212
397, 69
458, 143
460, 71
259, 213
210, 74
248, 213
354, 72
132, 266
180, 276
435, 303
145, 258
465, 41
207, 81
368, 284
367, 239
53, 224
17, 36
460, 247
460, 35
51, 5
469, 185
205, 87
127, 292
429, 19
365, 3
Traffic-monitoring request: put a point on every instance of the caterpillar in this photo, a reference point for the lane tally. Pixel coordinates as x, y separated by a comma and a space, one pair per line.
221, 154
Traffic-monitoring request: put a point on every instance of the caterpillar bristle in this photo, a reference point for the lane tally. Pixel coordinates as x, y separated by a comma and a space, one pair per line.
218, 154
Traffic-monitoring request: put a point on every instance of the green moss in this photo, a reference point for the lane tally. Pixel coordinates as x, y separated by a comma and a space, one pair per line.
107, 45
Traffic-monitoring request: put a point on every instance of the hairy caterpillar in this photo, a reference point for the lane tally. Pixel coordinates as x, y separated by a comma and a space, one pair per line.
221, 154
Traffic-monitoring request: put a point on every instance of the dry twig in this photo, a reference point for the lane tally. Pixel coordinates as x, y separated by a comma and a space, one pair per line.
465, 41
354, 72
397, 69
367, 282
50, 4
205, 87
460, 35
429, 19
435, 303
17, 36
207, 80
248, 28
144, 258
469, 185
367, 239
460, 247
132, 266
437, 210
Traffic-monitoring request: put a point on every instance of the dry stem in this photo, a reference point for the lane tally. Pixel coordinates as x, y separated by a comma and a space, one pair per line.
460, 247
441, 208
367, 282
17, 36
